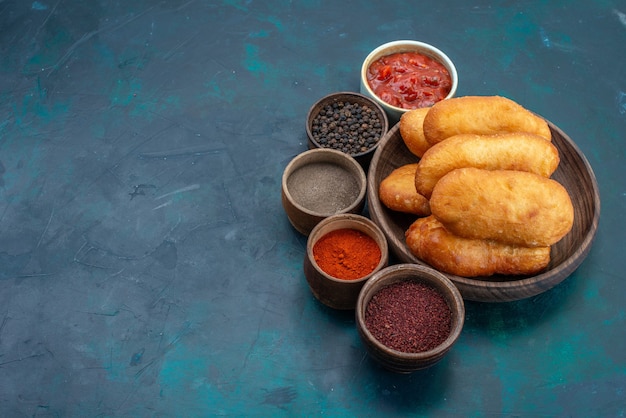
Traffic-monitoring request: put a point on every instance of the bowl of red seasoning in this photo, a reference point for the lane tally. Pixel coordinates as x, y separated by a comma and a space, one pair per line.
409, 316
404, 75
343, 252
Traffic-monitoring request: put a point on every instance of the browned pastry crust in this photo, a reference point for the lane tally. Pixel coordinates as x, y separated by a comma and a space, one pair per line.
482, 115
412, 130
397, 192
512, 207
508, 151
429, 240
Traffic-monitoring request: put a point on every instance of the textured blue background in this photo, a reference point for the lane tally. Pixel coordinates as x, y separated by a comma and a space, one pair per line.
147, 267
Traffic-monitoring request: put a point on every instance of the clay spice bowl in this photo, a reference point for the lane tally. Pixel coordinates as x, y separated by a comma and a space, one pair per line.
342, 253
419, 83
348, 122
319, 183
409, 317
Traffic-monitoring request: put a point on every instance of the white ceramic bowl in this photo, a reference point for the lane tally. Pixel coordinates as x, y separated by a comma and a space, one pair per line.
394, 113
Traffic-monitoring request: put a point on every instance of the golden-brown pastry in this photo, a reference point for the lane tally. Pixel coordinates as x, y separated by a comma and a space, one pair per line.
509, 151
482, 115
429, 241
513, 207
397, 192
412, 130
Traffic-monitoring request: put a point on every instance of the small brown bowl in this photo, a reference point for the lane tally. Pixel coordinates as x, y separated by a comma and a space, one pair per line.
364, 155
404, 362
319, 183
331, 291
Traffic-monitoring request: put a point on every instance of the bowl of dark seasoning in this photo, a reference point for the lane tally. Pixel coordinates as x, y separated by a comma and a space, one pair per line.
319, 183
343, 251
409, 316
348, 122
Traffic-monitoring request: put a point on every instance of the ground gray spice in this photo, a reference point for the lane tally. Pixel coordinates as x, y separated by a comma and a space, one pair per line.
324, 188
409, 316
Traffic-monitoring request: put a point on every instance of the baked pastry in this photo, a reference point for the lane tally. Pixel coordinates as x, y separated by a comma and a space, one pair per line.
397, 192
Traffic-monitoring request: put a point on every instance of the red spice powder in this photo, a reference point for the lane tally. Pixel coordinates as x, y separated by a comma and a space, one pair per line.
347, 254
409, 316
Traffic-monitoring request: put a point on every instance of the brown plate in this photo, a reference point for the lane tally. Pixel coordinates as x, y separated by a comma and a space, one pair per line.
574, 173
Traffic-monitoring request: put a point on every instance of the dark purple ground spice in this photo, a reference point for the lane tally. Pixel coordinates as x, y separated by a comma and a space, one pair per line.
409, 316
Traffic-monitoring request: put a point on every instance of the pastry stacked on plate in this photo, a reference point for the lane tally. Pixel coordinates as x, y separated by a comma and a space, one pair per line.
482, 189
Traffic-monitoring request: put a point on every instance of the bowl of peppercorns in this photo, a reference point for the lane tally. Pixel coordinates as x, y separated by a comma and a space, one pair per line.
409, 316
348, 122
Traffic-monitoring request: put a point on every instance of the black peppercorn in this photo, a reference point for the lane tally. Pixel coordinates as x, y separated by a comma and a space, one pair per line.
349, 127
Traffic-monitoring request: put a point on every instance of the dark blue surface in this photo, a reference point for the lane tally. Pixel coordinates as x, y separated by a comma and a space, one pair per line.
147, 267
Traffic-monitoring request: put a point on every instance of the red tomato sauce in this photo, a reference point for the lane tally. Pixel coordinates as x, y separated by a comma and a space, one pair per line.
409, 80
